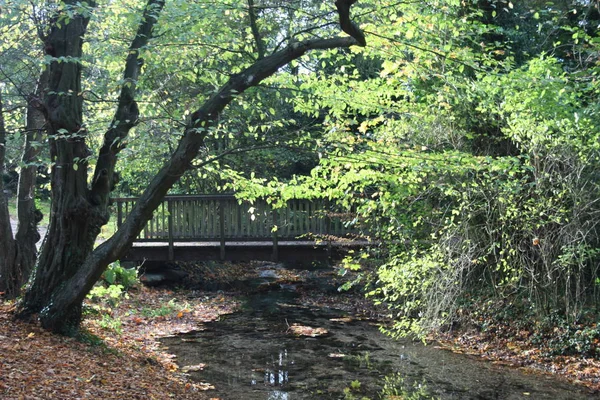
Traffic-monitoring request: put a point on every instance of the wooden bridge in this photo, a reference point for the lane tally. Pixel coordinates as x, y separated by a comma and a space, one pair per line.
220, 227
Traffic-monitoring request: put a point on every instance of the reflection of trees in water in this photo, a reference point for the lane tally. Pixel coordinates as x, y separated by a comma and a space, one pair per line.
276, 374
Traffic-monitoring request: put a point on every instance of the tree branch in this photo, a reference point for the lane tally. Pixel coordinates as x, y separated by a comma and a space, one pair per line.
348, 26
260, 44
127, 113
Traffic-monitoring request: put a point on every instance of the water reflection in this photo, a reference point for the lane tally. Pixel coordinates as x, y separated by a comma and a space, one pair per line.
277, 395
276, 374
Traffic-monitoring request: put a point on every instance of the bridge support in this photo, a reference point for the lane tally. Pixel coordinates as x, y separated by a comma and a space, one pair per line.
222, 228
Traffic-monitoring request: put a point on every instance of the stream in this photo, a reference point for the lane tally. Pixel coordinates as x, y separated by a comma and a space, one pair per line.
278, 349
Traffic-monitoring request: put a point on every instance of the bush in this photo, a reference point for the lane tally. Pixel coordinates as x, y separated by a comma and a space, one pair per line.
116, 274
113, 284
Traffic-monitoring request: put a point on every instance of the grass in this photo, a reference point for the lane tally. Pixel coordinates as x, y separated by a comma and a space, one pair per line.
164, 310
12, 206
44, 207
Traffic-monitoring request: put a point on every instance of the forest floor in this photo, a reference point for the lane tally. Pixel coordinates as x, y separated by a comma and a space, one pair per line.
518, 351
567, 350
119, 354
117, 357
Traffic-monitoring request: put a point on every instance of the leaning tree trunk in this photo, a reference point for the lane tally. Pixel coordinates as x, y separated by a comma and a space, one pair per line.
59, 288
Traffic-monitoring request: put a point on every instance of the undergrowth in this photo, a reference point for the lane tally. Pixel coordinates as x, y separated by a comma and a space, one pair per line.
516, 319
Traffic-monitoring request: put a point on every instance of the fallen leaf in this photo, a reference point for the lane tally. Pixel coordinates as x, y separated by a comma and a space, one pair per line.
303, 330
193, 368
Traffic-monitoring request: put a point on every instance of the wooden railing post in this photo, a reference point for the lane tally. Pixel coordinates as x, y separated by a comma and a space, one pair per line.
170, 222
222, 227
327, 227
119, 213
274, 229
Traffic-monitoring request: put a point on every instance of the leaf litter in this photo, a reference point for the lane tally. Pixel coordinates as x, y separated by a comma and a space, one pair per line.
118, 364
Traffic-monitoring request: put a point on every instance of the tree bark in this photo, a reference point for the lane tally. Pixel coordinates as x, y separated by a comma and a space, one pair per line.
73, 224
28, 215
18, 254
260, 44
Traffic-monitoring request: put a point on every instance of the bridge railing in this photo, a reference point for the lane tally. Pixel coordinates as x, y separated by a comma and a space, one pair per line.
222, 218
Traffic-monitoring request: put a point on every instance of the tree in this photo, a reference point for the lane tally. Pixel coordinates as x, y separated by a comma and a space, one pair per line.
477, 174
68, 265
19, 253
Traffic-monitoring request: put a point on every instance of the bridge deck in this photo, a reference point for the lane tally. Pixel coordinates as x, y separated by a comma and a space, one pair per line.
298, 252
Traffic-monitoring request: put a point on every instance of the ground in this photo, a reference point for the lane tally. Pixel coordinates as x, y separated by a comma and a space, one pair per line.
107, 363
525, 349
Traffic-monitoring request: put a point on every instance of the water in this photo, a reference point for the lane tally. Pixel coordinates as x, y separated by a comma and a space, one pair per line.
254, 354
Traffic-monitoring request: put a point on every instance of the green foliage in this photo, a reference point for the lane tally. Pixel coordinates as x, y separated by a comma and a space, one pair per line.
110, 294
116, 274
164, 310
576, 340
109, 322
514, 319
113, 285
398, 387
353, 391
473, 171
104, 299
557, 336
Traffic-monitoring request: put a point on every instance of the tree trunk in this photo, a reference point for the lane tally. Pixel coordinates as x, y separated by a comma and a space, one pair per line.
28, 215
18, 255
8, 273
74, 224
